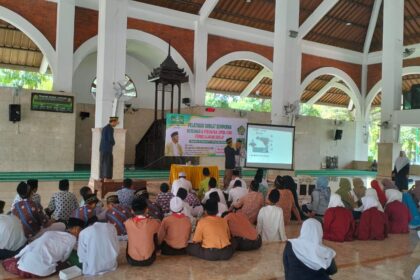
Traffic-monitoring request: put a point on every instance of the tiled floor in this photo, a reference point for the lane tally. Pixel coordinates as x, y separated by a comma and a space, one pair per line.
394, 258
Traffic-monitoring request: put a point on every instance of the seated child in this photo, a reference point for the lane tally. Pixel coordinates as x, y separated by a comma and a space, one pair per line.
163, 198
396, 212
242, 231
338, 221
306, 258
212, 236
175, 230
142, 235
270, 222
373, 223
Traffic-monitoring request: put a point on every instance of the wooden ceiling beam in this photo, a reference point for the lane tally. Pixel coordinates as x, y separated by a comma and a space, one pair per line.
20, 49
316, 16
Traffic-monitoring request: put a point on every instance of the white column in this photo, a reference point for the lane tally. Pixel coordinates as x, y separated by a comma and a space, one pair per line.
287, 58
362, 140
393, 32
112, 40
112, 36
200, 63
63, 73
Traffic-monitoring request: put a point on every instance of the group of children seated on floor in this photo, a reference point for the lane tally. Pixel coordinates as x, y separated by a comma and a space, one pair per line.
210, 225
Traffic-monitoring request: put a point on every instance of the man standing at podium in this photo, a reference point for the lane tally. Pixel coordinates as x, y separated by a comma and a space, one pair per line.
105, 149
229, 162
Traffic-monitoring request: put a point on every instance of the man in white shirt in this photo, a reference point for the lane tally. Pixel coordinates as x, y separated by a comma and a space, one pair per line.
213, 188
41, 257
12, 237
182, 182
270, 222
237, 192
98, 249
173, 148
235, 177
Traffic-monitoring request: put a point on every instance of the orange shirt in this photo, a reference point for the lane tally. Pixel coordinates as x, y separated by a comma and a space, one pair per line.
140, 237
251, 204
212, 232
175, 230
240, 226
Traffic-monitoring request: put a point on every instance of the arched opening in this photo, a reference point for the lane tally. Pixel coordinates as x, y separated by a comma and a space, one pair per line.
330, 93
243, 83
144, 53
409, 134
328, 97
23, 64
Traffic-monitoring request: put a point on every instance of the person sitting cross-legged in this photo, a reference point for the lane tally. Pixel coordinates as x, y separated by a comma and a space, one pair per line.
126, 193
396, 212
305, 257
242, 231
117, 214
339, 223
98, 249
175, 230
32, 217
373, 224
270, 220
163, 198
87, 212
62, 203
142, 235
12, 237
251, 203
211, 239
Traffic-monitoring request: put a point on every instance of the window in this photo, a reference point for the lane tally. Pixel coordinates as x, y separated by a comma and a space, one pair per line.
130, 88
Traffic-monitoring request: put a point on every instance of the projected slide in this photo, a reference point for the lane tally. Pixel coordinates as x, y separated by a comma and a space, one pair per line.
270, 146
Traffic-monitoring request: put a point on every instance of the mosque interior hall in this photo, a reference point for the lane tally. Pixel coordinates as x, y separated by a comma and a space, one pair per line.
210, 139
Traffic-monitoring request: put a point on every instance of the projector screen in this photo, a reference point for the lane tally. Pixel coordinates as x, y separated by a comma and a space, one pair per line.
269, 146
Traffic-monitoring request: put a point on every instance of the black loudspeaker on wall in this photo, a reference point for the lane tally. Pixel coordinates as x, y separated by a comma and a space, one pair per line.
14, 112
338, 134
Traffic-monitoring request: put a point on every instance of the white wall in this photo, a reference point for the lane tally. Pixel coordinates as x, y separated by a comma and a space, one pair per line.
314, 136
314, 141
41, 141
137, 71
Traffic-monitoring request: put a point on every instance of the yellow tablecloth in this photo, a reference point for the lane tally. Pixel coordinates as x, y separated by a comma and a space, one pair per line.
194, 173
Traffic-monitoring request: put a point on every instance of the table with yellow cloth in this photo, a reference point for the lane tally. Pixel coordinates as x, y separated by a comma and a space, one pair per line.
194, 173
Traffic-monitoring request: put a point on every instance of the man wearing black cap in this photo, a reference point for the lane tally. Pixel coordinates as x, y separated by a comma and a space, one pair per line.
229, 162
174, 149
105, 149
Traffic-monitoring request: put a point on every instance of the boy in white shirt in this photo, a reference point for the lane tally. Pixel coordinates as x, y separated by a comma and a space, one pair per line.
213, 188
237, 192
270, 222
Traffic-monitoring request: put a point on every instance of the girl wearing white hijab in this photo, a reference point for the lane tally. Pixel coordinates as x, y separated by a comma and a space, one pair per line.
338, 224
305, 257
401, 171
372, 192
373, 222
396, 212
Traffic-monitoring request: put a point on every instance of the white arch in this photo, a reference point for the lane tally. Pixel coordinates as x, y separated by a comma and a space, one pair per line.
377, 88
91, 46
353, 92
32, 32
242, 55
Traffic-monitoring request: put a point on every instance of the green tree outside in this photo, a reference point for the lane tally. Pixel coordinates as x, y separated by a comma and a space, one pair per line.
25, 79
